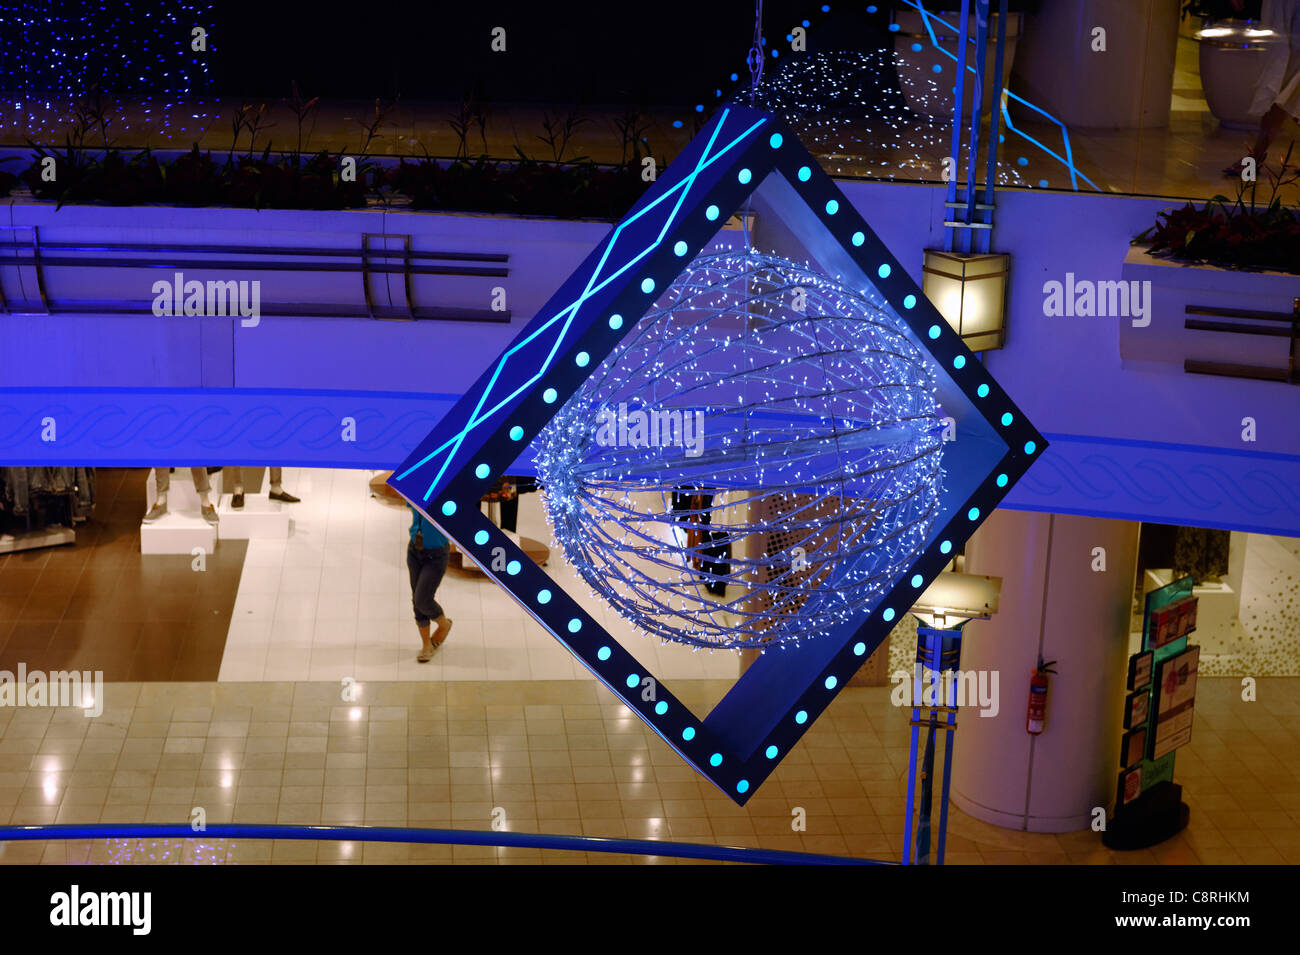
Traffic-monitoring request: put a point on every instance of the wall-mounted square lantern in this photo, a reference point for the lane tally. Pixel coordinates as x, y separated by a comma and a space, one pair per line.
970, 291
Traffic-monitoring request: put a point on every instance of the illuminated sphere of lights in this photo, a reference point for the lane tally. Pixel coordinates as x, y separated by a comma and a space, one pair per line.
788, 417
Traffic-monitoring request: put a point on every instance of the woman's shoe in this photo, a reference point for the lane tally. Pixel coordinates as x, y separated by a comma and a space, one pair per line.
440, 634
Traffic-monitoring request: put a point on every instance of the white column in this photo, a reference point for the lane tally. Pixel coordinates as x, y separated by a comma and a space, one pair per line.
1053, 605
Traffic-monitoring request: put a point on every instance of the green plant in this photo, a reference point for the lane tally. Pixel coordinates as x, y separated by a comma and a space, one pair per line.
559, 130
301, 110
1240, 234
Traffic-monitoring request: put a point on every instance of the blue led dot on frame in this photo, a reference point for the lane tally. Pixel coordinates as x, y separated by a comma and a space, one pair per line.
482, 471
894, 28
661, 708
982, 391
647, 285
888, 614
699, 107
806, 23
1002, 480
616, 322
831, 683
679, 248
711, 213
916, 48
449, 508
776, 54
633, 680
688, 734
804, 173
603, 654
677, 124
859, 648
859, 238
516, 433
1042, 183
826, 8
744, 176
959, 362
917, 580
945, 547
909, 301
715, 759
771, 752
801, 717
742, 786
549, 396
934, 331
582, 359
938, 67
734, 77
480, 538
872, 9
832, 207
575, 625
973, 514
884, 271
1030, 447
543, 596
1022, 161
513, 568
775, 140
1007, 418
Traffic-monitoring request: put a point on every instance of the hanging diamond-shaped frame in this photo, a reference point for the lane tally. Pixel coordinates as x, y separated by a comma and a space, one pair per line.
742, 154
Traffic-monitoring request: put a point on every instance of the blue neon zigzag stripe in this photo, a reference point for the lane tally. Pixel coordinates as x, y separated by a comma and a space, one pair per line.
1067, 160
570, 312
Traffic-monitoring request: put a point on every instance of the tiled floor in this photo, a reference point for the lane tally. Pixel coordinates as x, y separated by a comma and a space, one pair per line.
561, 757
100, 605
334, 601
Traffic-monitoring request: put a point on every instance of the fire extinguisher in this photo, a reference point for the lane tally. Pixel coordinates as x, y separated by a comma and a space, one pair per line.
1037, 716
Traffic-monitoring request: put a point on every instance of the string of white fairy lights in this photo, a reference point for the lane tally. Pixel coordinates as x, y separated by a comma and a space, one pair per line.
818, 467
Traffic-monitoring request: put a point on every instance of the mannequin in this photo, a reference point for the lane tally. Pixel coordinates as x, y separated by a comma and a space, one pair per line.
162, 478
278, 493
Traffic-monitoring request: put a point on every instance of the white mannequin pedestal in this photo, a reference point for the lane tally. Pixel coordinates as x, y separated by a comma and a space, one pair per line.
182, 528
260, 518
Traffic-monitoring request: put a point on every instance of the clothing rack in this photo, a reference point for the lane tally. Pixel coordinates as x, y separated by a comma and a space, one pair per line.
29, 491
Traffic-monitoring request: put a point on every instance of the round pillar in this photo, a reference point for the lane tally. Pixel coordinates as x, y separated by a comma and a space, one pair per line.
1056, 603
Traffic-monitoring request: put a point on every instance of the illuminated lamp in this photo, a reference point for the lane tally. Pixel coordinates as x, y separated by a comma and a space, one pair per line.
970, 291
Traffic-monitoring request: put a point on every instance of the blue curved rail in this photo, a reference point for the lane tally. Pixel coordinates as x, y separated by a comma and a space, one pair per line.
453, 837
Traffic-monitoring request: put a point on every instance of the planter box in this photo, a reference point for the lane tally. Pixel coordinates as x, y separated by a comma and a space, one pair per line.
1177, 285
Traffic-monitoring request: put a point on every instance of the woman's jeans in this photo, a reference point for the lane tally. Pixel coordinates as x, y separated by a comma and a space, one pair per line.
427, 568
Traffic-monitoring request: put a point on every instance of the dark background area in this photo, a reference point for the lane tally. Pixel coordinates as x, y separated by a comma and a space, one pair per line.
583, 52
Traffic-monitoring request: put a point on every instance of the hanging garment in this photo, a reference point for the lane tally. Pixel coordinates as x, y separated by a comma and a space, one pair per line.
1280, 81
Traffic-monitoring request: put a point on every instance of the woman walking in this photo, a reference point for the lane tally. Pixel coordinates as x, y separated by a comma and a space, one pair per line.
426, 559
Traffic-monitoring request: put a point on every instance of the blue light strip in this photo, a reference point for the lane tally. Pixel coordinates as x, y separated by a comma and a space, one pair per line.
570, 312
447, 837
926, 17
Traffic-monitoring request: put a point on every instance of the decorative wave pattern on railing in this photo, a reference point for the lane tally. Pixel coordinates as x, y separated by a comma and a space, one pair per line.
147, 427
1236, 489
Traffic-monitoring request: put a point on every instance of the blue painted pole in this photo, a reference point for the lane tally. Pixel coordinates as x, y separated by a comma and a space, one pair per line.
995, 127
976, 117
954, 150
